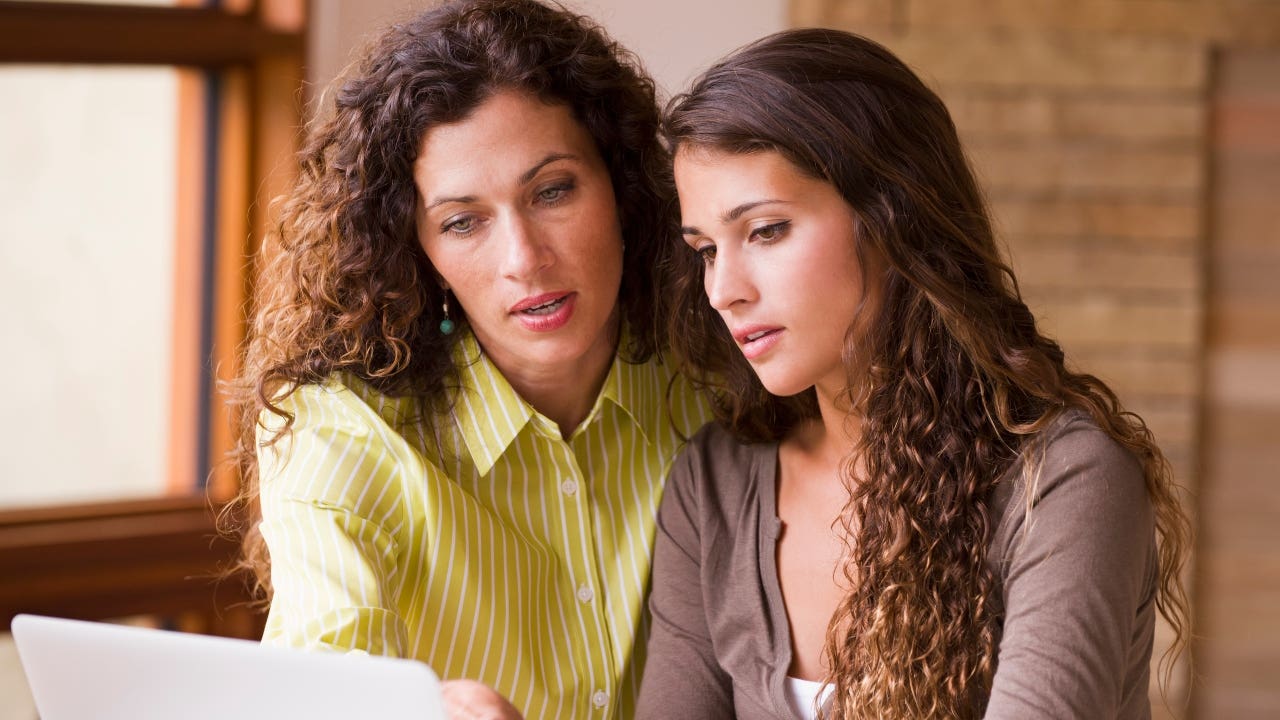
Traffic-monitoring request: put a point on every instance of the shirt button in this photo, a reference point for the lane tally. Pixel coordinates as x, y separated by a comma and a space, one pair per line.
585, 594
568, 487
600, 698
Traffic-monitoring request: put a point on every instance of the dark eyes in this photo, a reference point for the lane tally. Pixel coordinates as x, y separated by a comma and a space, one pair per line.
766, 234
772, 231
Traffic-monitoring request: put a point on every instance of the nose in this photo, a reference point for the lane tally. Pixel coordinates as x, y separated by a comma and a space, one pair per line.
526, 249
728, 280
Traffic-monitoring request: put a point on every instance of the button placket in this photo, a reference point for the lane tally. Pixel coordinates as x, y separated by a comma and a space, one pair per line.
584, 569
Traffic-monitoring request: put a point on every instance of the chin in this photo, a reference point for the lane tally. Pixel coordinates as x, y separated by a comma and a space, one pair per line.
550, 348
569, 344
783, 385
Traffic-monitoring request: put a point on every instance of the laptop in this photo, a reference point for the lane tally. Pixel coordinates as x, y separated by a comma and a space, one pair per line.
80, 670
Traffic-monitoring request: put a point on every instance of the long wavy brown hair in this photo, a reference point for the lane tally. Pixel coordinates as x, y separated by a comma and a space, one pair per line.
950, 377
343, 285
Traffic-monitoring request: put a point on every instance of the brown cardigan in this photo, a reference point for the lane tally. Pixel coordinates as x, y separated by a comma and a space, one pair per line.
1078, 585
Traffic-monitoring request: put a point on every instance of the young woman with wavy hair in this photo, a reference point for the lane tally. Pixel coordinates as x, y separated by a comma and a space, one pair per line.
911, 507
455, 419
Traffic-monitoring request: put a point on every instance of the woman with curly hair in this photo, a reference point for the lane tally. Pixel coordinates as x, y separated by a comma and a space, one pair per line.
911, 507
455, 420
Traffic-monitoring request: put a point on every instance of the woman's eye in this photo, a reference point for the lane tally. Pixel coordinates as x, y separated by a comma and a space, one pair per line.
459, 226
707, 253
773, 231
554, 193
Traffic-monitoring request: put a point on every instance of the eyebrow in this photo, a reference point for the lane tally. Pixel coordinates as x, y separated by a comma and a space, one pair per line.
525, 177
733, 214
553, 157
444, 200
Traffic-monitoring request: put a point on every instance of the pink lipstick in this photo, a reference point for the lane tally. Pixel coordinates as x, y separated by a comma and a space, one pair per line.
545, 312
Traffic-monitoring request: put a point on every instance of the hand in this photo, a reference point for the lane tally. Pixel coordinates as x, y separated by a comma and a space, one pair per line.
470, 700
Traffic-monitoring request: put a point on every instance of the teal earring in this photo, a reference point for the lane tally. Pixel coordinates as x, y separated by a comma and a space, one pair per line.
446, 325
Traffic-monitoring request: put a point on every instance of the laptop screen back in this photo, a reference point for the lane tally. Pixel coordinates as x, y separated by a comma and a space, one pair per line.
80, 670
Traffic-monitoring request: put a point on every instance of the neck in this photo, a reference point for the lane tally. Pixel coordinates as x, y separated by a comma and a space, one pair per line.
833, 435
566, 392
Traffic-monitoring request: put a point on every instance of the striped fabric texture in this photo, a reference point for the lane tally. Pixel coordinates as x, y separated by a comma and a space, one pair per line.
481, 543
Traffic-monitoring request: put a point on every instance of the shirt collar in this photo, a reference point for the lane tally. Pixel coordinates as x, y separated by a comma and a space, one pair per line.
487, 409
637, 389
490, 415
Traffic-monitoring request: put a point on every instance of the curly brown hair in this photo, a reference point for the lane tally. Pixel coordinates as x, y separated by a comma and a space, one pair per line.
952, 380
343, 284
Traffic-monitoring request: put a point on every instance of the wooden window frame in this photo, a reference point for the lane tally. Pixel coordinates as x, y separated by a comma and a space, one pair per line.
163, 556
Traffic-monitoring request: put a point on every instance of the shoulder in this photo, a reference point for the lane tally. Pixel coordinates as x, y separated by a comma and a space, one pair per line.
1078, 458
1076, 431
1074, 479
339, 423
721, 473
714, 452
343, 401
714, 440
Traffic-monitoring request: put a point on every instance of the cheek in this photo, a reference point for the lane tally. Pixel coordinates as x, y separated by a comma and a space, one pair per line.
458, 270
600, 241
608, 234
598, 207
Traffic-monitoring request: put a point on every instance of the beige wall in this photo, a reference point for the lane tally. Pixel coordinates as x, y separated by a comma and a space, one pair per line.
673, 38
677, 39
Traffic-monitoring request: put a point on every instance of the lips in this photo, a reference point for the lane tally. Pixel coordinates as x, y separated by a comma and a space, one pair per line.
546, 308
756, 340
751, 333
546, 311
539, 303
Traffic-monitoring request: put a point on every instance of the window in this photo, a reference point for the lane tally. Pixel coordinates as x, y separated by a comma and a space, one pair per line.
139, 149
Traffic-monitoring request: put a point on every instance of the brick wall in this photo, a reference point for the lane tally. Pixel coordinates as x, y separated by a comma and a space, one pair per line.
1088, 124
1239, 560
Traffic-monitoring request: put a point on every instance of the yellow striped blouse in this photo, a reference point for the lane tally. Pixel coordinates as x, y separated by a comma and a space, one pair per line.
480, 543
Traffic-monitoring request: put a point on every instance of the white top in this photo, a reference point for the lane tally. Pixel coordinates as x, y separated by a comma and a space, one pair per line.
806, 696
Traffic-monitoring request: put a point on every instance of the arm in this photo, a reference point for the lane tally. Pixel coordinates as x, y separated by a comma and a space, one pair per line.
329, 492
682, 678
1078, 586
